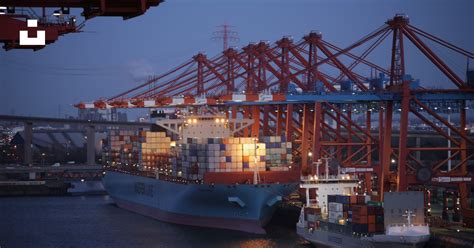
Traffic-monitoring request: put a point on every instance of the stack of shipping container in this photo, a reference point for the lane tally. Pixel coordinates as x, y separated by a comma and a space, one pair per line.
312, 215
365, 216
368, 218
278, 152
354, 214
121, 148
338, 208
154, 149
191, 159
217, 155
144, 148
232, 154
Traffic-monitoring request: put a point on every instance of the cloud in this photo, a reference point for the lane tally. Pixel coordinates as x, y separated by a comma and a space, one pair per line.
140, 69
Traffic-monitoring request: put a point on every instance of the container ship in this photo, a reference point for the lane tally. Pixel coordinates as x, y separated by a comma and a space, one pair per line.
195, 172
339, 217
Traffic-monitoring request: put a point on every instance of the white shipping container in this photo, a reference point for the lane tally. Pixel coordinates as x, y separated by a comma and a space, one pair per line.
335, 206
335, 215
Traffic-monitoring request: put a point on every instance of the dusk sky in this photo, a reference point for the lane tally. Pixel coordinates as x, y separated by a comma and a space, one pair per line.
113, 55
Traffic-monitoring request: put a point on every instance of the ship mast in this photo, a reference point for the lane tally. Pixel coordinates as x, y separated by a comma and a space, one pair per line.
255, 170
409, 214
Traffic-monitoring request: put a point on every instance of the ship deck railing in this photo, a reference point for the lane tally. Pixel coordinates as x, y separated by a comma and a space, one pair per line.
329, 179
406, 225
345, 229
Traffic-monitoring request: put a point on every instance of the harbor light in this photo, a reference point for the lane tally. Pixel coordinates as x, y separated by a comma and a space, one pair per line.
310, 154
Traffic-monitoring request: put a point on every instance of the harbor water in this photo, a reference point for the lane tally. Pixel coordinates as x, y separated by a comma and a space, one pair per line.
95, 221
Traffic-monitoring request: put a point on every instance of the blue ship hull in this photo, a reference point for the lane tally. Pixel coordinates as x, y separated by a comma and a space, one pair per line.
243, 207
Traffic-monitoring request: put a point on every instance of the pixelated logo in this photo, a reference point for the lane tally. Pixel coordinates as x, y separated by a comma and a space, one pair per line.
39, 40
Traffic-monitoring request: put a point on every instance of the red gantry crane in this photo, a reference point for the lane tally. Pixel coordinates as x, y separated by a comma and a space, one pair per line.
15, 13
317, 95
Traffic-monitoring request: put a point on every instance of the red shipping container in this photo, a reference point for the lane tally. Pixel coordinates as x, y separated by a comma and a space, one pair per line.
371, 219
371, 228
312, 210
379, 228
359, 209
359, 219
312, 193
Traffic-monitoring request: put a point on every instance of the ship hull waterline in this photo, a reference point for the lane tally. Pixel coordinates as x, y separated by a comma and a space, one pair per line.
243, 207
323, 238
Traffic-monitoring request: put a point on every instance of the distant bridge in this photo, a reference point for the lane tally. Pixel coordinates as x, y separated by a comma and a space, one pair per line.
89, 125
